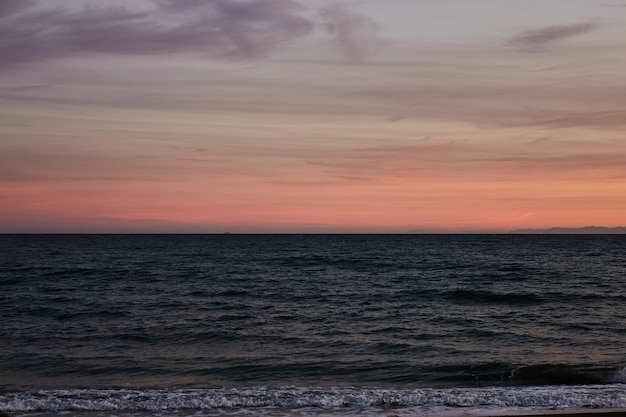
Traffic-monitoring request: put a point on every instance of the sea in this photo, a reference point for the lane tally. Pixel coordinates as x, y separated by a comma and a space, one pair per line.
311, 325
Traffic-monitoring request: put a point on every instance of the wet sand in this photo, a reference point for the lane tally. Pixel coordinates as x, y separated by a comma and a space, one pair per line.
621, 412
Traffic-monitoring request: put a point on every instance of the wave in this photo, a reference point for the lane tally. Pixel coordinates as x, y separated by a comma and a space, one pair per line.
562, 374
591, 396
619, 376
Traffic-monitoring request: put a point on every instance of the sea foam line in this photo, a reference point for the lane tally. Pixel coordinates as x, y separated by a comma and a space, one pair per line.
593, 396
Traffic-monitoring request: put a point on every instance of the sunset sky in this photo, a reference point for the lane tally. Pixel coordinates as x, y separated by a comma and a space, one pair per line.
213, 116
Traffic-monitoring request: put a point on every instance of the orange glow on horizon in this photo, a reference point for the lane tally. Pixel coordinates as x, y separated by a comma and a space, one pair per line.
472, 127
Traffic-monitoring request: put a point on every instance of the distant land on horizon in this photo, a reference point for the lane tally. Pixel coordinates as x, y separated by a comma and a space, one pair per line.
587, 230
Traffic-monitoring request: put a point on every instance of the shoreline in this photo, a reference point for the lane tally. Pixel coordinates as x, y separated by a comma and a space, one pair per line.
618, 412
516, 412
621, 412
599, 412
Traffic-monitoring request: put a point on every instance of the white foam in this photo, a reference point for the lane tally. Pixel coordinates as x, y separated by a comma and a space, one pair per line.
319, 401
619, 376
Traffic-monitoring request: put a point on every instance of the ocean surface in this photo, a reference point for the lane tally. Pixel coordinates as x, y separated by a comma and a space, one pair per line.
311, 325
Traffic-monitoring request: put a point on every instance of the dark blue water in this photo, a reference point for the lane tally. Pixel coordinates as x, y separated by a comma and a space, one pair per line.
214, 322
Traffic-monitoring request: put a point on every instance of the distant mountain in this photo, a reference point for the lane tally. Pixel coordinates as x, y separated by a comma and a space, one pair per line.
587, 230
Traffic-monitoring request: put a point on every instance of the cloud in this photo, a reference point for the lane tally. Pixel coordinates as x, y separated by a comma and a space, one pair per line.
354, 34
390, 162
596, 165
8, 7
537, 39
228, 29
30, 31
615, 119
237, 29
25, 87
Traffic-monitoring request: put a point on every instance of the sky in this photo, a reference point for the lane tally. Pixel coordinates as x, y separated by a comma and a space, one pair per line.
311, 116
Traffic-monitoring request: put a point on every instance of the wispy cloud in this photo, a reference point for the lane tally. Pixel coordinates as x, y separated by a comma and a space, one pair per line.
614, 119
8, 7
387, 162
538, 39
235, 29
220, 28
355, 34
598, 165
223, 29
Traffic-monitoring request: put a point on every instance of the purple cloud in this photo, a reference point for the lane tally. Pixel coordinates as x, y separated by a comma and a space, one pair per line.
537, 39
353, 33
229, 29
8, 7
